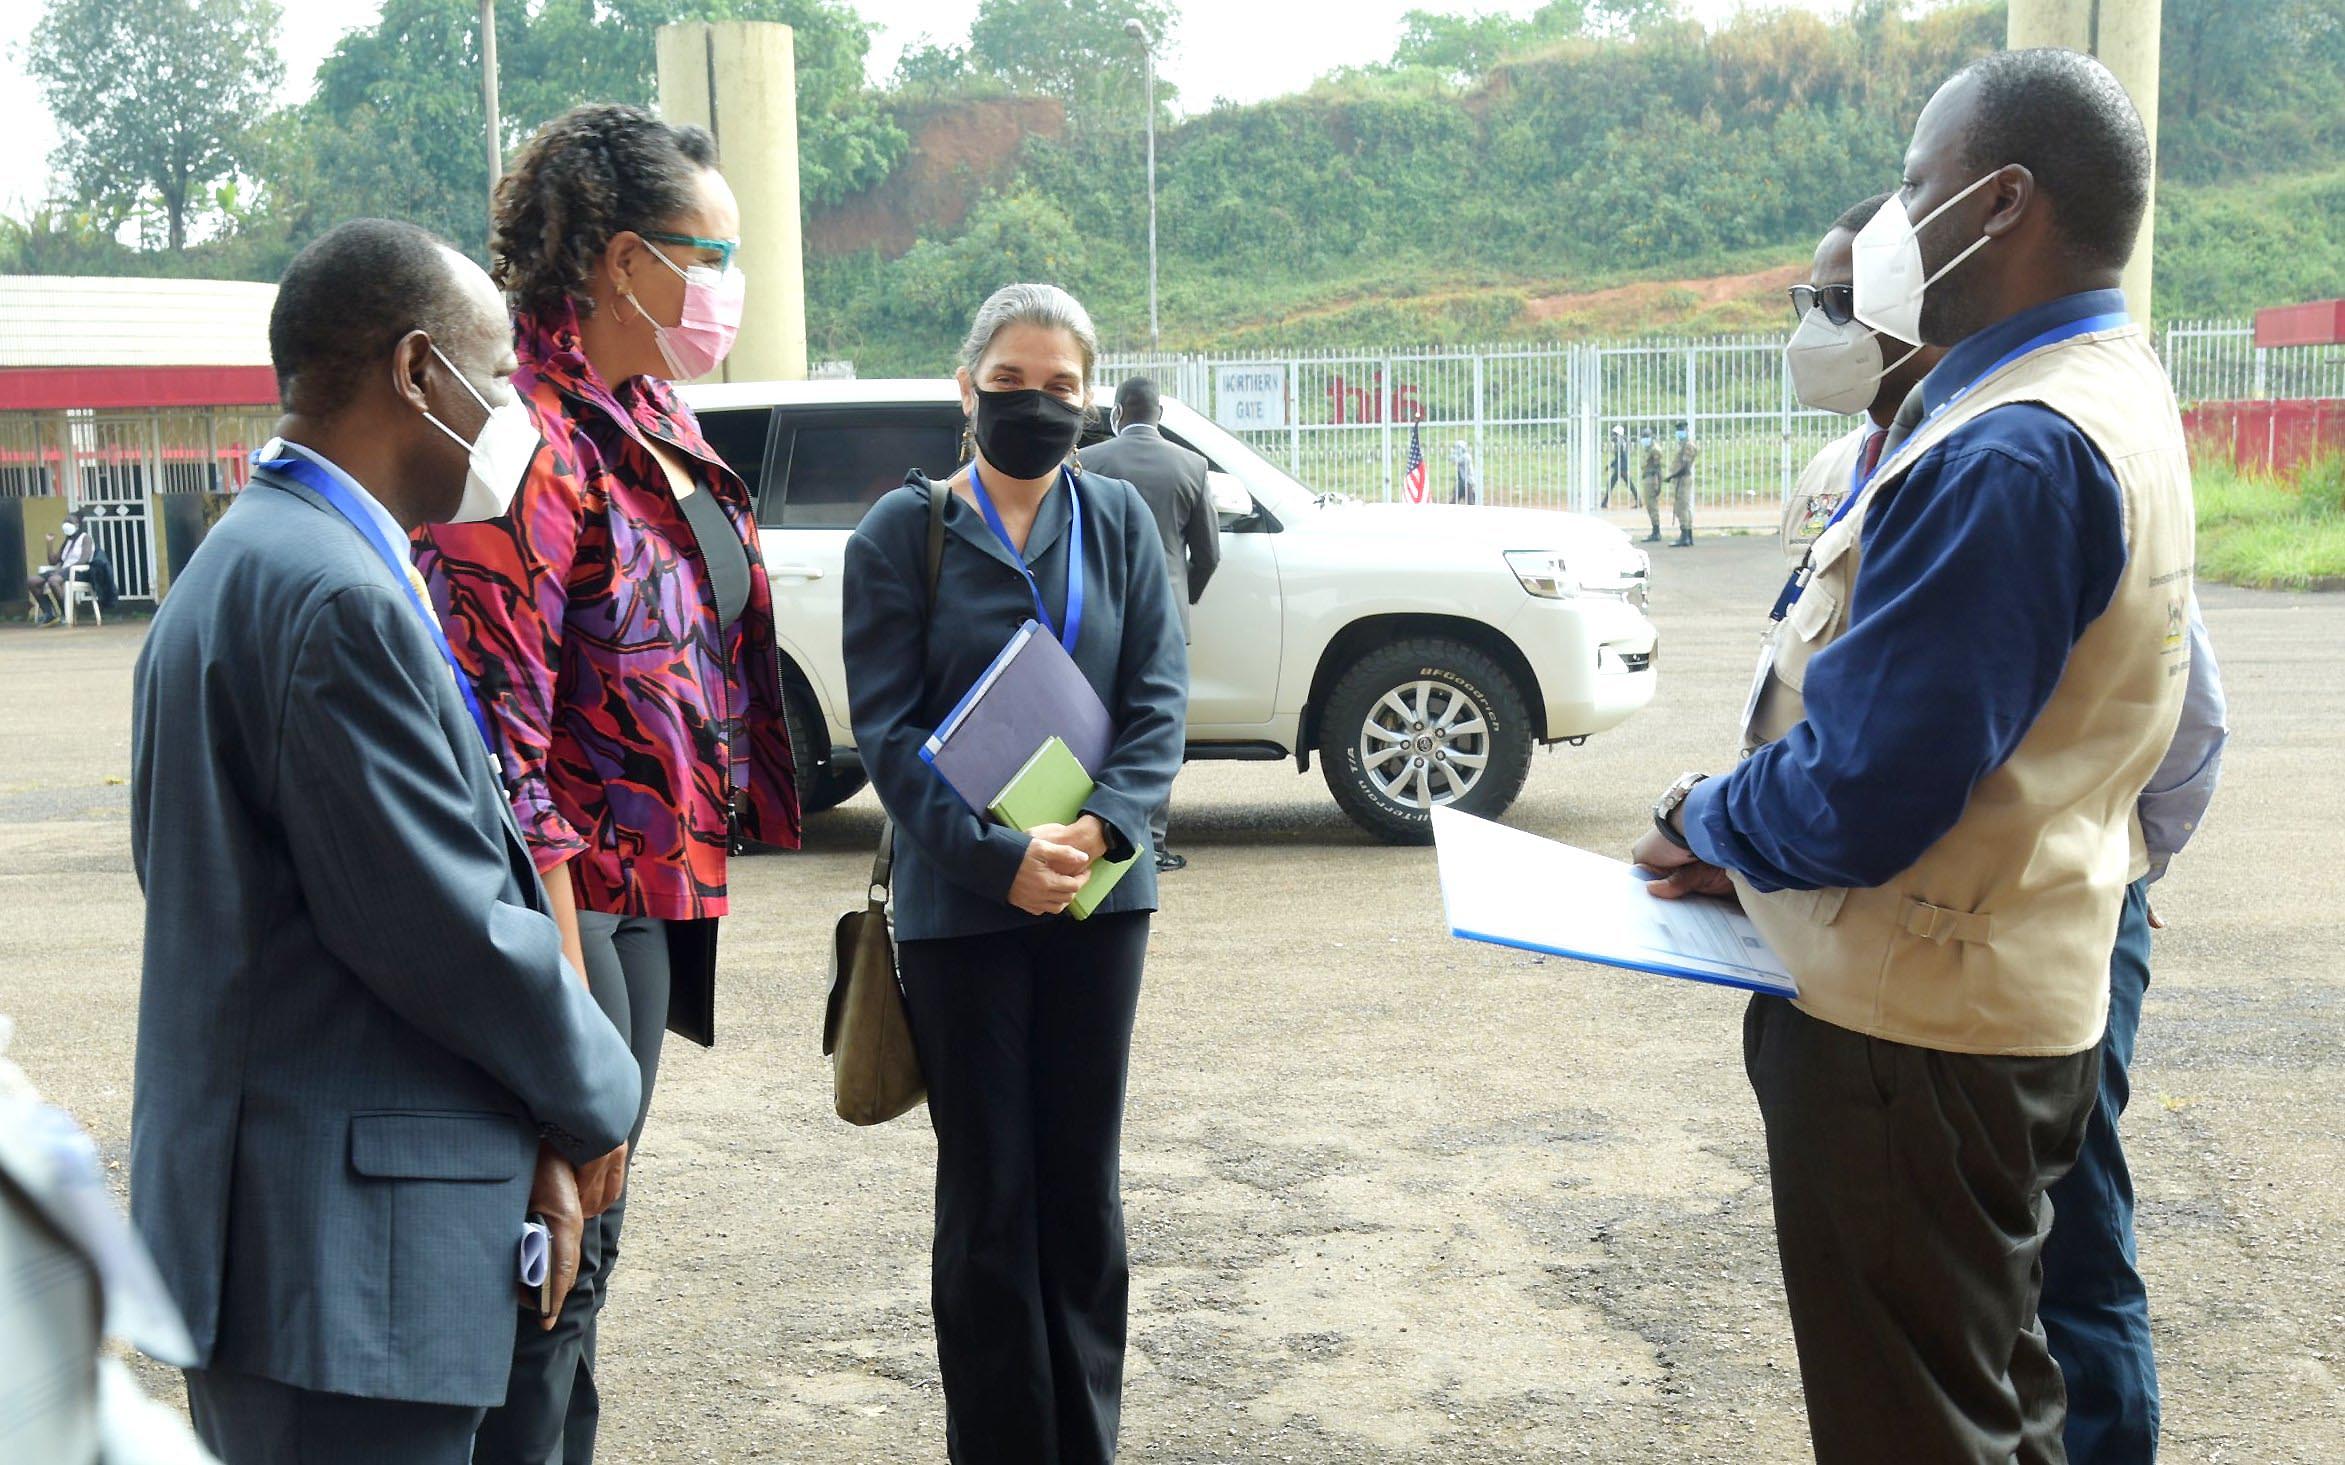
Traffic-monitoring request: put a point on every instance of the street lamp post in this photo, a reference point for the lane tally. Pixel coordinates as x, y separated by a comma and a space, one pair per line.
1139, 32
488, 96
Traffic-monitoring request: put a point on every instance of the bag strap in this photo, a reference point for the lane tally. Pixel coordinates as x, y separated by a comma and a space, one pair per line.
883, 865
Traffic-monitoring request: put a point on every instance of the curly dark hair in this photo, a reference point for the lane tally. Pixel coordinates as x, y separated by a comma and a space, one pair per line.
594, 171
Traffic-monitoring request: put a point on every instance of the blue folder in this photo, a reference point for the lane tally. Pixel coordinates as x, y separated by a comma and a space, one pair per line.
1031, 693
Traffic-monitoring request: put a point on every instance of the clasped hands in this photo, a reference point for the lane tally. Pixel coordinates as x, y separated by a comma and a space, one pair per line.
1058, 862
567, 1197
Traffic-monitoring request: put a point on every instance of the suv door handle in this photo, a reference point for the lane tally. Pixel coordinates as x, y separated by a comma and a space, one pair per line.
795, 572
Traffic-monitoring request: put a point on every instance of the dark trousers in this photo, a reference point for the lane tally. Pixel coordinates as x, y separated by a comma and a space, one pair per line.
1910, 1217
552, 1407
248, 1420
2096, 1313
1620, 476
1025, 1037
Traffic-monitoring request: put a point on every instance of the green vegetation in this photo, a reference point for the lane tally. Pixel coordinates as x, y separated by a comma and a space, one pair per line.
2272, 532
1596, 167
1599, 168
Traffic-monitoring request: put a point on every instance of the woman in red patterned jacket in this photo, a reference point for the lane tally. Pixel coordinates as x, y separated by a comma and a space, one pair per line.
619, 627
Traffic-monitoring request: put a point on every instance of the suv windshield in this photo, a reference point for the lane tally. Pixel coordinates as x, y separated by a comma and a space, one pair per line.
1269, 483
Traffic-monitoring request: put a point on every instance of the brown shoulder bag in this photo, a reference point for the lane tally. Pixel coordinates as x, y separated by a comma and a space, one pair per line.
875, 1074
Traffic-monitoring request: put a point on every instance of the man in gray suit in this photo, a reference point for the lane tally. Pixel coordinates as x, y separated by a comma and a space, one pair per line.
1171, 480
362, 1060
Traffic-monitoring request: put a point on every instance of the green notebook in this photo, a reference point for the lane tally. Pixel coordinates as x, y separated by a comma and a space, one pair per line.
1051, 789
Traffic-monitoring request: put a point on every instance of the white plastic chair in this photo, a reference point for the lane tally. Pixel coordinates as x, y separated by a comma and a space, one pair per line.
76, 592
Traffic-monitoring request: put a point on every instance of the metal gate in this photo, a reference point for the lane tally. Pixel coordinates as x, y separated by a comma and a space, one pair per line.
115, 463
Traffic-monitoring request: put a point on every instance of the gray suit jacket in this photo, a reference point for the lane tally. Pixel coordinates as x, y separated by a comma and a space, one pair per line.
355, 1021
1171, 480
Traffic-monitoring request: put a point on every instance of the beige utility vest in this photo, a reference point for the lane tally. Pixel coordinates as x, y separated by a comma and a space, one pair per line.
1821, 486
1997, 939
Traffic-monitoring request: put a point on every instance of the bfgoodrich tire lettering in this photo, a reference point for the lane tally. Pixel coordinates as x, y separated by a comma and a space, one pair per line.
1421, 723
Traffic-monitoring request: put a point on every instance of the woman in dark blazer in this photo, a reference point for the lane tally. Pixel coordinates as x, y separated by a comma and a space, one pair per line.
1022, 1015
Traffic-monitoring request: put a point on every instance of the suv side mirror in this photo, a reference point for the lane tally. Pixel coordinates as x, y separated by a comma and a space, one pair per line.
1233, 503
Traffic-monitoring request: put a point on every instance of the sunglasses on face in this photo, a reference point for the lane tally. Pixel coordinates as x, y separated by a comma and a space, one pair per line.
723, 247
1838, 302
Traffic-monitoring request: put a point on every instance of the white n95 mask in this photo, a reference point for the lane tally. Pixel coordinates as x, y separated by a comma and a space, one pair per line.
1837, 368
1890, 273
500, 453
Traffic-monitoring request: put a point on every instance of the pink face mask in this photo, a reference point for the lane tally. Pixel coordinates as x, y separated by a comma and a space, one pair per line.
702, 336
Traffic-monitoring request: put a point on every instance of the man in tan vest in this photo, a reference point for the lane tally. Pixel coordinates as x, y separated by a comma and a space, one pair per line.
1972, 681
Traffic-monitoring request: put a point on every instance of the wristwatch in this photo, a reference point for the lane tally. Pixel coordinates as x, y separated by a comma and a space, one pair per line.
1671, 800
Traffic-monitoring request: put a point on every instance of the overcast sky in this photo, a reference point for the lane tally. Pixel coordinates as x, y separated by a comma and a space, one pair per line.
1243, 50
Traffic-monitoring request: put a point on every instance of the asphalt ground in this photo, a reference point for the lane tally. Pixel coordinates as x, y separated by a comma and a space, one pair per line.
1392, 1197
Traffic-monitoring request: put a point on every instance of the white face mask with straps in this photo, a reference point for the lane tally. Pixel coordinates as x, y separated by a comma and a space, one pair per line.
1891, 276
500, 452
1836, 367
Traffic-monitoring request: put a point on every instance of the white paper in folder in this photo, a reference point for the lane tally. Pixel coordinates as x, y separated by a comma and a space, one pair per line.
1509, 888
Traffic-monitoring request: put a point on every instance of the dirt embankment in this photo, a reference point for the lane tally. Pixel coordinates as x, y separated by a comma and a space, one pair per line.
1653, 297
958, 150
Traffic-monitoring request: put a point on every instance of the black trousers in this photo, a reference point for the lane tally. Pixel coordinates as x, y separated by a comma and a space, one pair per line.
248, 1420
552, 1407
1025, 1038
1910, 1216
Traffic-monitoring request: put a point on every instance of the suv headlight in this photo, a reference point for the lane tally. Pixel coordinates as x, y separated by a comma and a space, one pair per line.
1543, 573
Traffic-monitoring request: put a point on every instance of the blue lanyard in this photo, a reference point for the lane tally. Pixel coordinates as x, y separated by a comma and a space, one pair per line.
993, 521
317, 479
2106, 321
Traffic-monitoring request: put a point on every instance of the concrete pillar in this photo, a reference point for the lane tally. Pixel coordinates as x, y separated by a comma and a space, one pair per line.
739, 79
2124, 35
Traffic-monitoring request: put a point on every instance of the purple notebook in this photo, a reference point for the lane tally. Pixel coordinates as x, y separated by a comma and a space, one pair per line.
1032, 693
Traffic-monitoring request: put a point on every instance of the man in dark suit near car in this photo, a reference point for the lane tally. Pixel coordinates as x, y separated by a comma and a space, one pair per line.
362, 1060
1172, 482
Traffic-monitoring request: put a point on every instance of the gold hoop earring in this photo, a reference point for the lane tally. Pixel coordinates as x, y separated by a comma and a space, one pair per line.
969, 443
1076, 458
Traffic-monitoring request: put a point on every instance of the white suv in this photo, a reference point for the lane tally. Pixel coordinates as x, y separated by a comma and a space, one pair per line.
1418, 650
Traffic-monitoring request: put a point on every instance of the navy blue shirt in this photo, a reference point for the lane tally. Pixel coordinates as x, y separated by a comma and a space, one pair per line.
906, 670
1980, 570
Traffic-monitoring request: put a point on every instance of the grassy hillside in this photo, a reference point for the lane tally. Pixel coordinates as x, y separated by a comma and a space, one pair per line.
1672, 182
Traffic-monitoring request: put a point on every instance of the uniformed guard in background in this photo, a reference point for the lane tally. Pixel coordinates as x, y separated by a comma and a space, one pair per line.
1681, 478
1651, 468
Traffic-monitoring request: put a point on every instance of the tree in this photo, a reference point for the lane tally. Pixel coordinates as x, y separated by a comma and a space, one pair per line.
1466, 47
396, 123
1074, 50
156, 98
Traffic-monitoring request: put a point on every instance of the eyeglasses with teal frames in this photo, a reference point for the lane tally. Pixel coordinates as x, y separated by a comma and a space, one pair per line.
725, 248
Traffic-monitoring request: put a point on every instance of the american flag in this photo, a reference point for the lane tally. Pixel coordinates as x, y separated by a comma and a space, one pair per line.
1413, 477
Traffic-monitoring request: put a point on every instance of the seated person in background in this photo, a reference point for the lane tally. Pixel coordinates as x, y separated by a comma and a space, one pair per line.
46, 588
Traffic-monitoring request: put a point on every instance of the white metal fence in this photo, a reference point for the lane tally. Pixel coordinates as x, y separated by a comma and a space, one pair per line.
1537, 422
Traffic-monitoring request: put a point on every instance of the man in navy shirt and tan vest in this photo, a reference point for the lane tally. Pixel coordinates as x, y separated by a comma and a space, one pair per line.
1935, 827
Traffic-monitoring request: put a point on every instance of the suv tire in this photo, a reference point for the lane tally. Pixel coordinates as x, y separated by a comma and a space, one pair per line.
1422, 722
822, 784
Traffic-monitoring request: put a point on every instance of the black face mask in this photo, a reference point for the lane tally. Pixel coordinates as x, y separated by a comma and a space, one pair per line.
1026, 433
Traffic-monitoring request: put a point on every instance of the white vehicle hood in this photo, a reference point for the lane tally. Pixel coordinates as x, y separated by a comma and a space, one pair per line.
1586, 542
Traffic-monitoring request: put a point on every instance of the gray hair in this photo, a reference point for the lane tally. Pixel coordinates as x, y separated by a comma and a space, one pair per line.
1031, 305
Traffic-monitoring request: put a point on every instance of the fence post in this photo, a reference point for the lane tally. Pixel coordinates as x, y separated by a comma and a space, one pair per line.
1384, 395
1481, 460
1585, 375
1295, 418
1784, 470
1692, 351
2262, 381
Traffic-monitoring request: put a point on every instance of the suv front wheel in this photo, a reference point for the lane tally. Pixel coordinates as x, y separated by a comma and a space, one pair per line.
822, 783
1420, 723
